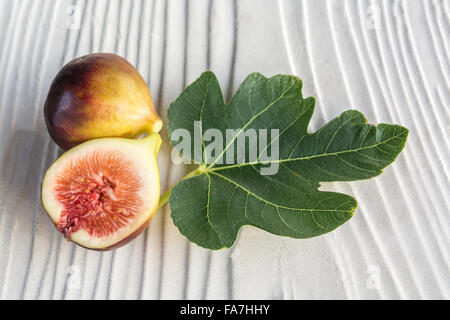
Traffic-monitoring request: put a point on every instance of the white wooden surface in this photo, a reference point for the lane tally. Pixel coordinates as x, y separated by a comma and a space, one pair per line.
388, 59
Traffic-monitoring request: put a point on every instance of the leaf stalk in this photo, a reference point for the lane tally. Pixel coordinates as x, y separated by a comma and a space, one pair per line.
166, 195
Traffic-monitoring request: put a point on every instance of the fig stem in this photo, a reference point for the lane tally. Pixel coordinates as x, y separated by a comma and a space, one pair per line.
165, 197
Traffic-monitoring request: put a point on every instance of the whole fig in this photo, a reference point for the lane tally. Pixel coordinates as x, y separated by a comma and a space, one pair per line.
99, 95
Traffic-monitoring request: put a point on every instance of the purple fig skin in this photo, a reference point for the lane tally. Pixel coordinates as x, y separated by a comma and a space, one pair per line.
98, 95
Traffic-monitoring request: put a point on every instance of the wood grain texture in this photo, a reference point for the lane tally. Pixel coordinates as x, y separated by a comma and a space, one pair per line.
388, 59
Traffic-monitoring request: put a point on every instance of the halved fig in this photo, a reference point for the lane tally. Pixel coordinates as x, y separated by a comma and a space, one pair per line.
102, 193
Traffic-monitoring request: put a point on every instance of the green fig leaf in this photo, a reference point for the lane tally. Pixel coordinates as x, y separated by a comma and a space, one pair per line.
228, 190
